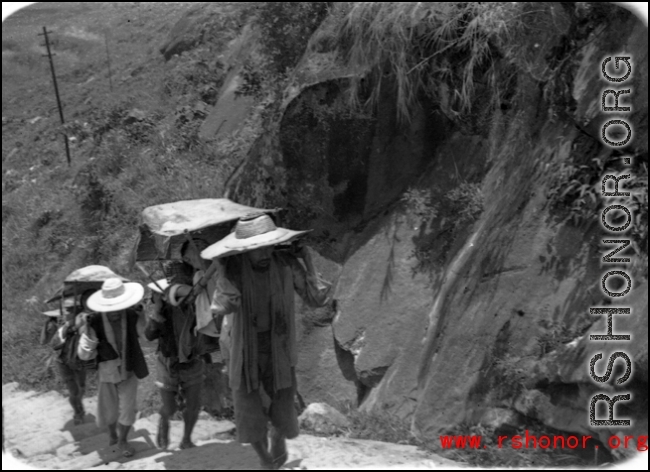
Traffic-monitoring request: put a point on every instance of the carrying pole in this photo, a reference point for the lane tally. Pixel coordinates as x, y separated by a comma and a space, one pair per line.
56, 91
148, 275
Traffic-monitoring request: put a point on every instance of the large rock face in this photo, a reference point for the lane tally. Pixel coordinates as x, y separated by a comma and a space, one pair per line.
201, 24
460, 286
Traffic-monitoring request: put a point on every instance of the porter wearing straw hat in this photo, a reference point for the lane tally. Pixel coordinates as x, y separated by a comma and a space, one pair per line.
111, 336
180, 365
61, 332
256, 286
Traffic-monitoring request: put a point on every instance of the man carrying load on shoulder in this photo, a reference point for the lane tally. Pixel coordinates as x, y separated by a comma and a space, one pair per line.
256, 284
180, 364
64, 340
111, 335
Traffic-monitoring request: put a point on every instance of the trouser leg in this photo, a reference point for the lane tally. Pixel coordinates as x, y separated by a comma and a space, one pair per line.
108, 410
128, 399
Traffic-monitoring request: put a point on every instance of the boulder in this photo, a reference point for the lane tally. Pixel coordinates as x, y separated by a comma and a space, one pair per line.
323, 419
186, 32
231, 109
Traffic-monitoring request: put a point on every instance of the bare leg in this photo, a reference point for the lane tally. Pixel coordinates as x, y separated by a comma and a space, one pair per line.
191, 413
261, 448
73, 382
278, 448
80, 390
112, 434
166, 412
125, 447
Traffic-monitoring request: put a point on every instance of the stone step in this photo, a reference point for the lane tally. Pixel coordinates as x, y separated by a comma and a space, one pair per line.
208, 455
108, 454
16, 398
26, 416
83, 447
86, 430
204, 430
41, 442
45, 461
110, 466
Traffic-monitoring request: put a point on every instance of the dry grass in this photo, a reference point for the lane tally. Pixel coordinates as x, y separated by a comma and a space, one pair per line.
419, 46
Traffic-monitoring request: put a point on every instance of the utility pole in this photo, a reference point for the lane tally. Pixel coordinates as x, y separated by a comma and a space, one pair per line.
108, 60
56, 91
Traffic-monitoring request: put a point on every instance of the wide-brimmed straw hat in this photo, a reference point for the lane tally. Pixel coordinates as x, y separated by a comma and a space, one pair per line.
116, 295
251, 232
160, 284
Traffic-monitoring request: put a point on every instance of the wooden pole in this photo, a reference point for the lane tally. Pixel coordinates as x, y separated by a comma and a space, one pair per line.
108, 61
56, 91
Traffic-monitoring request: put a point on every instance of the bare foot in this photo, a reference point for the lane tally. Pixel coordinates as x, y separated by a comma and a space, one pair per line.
127, 450
280, 461
187, 444
266, 465
266, 461
278, 449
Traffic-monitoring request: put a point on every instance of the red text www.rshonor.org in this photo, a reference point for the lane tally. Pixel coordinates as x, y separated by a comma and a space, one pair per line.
530, 441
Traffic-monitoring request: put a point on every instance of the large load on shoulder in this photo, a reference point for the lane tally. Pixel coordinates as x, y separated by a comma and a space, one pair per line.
81, 280
165, 228
70, 297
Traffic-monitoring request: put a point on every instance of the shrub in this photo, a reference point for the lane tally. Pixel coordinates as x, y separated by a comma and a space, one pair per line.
456, 209
512, 376
285, 29
466, 201
194, 74
381, 426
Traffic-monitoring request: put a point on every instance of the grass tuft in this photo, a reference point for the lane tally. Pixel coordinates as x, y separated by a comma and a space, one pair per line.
417, 46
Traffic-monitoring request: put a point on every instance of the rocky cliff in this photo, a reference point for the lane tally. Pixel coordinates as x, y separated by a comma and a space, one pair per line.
463, 281
448, 157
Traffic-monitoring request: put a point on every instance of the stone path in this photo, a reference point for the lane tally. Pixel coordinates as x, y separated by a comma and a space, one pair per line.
39, 432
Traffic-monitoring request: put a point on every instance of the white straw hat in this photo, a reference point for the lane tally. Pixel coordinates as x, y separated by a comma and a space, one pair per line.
251, 232
115, 295
160, 284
